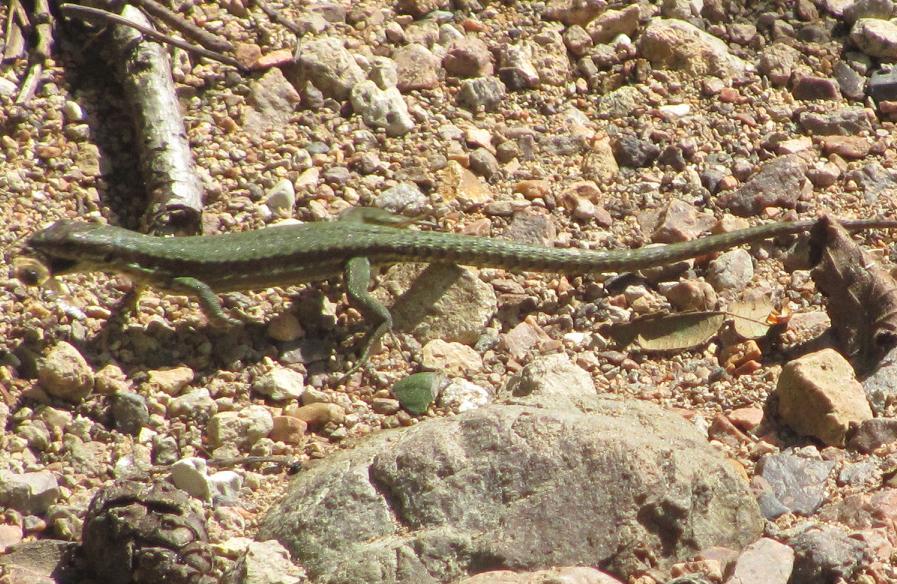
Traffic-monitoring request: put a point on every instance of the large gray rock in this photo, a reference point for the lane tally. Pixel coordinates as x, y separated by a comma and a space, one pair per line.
516, 487
29, 492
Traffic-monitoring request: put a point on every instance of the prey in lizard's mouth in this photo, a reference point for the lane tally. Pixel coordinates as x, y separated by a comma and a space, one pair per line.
33, 271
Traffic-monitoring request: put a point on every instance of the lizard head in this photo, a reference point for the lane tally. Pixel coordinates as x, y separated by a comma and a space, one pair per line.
61, 248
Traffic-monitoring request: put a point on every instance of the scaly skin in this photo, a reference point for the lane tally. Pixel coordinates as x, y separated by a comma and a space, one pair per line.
291, 254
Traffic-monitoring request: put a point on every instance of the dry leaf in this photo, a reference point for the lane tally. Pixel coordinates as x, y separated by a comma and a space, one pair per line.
751, 318
670, 332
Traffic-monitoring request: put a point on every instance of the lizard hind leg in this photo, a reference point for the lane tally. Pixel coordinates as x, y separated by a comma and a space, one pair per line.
358, 278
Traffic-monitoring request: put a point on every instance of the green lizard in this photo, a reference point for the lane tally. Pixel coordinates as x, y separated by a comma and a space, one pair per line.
201, 266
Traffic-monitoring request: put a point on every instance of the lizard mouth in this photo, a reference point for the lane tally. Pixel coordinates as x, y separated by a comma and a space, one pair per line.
61, 265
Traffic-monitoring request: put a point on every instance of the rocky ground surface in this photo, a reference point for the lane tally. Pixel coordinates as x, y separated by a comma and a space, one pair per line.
567, 123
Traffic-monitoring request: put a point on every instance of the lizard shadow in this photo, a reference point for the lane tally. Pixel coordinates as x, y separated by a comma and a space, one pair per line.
110, 124
135, 347
206, 347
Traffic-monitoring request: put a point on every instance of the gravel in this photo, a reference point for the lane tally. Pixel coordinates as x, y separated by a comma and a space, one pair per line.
667, 111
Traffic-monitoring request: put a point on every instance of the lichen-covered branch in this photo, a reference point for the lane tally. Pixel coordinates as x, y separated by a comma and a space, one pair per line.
175, 193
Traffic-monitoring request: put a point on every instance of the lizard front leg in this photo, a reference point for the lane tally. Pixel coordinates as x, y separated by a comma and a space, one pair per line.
130, 303
209, 302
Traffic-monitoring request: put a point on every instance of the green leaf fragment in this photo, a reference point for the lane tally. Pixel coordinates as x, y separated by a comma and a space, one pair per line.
416, 392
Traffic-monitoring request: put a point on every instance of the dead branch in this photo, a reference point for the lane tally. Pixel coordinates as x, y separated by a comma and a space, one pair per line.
175, 193
43, 27
278, 18
89, 13
208, 40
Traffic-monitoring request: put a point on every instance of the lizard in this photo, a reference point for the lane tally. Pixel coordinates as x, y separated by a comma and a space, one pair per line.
203, 265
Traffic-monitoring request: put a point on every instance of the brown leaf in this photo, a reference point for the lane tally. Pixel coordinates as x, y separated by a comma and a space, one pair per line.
670, 332
751, 317
862, 297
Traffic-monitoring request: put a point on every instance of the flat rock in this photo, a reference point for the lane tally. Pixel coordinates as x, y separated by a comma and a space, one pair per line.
875, 37
846, 121
766, 561
875, 180
808, 87
848, 147
271, 102
45, 561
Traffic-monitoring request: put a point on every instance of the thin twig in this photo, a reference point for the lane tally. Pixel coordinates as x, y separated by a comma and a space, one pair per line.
206, 39
86, 12
281, 20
